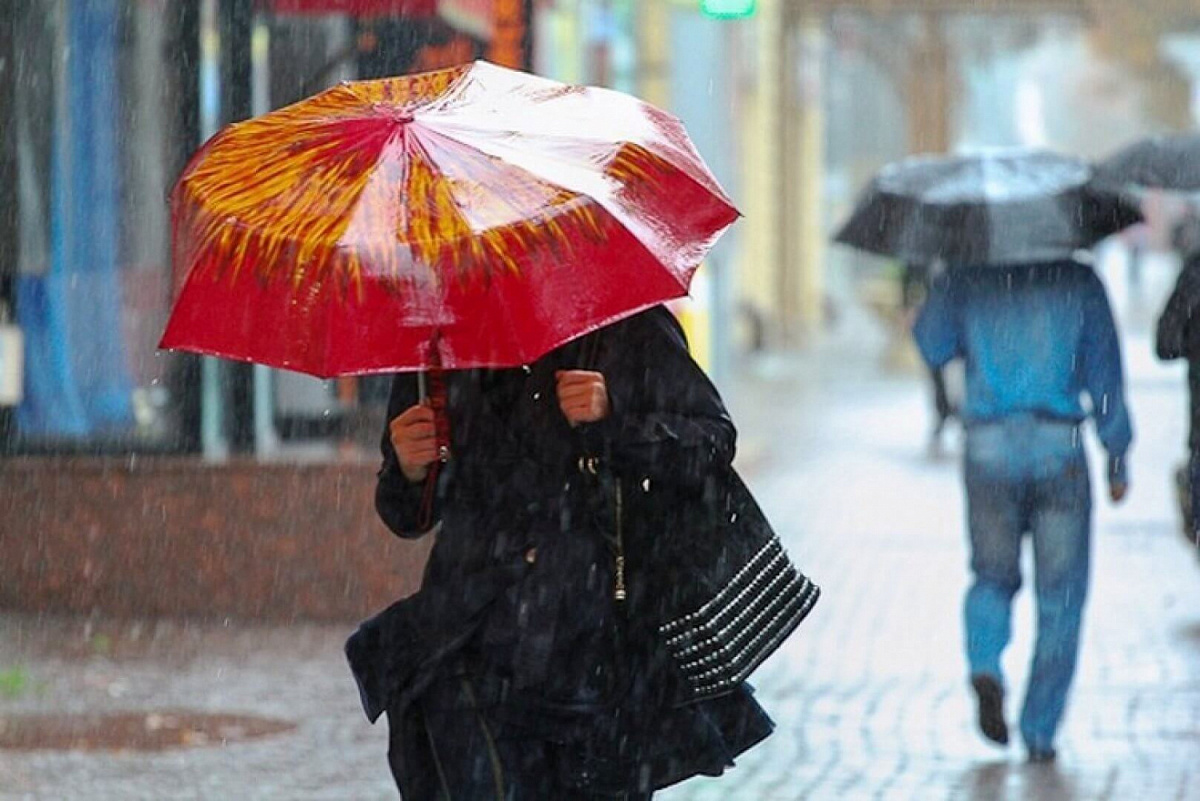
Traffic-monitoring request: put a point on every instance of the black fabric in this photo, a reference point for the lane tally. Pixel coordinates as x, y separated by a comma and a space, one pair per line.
454, 743
452, 748
393, 654
1166, 161
553, 657
1178, 336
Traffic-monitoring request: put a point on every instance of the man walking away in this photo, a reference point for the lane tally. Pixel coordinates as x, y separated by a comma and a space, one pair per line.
1034, 338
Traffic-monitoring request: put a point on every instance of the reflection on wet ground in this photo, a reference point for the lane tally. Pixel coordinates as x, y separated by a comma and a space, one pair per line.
132, 731
1019, 782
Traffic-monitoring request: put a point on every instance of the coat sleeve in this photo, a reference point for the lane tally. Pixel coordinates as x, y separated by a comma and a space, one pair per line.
938, 332
667, 422
398, 500
1172, 334
1104, 379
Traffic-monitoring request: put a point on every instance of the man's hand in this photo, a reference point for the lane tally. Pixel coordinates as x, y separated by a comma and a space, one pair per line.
582, 396
414, 437
1118, 478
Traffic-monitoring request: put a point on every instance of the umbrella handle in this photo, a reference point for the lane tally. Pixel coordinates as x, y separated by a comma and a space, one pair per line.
438, 402
439, 410
425, 513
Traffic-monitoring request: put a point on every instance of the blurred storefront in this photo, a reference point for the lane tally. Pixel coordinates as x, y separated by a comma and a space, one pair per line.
105, 101
100, 115
101, 104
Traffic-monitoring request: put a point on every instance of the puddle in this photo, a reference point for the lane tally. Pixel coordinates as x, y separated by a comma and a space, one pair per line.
133, 731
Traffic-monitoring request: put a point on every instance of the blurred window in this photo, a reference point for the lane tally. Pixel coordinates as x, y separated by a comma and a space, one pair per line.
95, 117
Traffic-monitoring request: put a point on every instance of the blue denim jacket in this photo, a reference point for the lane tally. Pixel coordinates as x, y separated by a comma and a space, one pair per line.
1034, 338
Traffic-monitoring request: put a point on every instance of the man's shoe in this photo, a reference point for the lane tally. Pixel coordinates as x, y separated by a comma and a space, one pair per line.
991, 708
1042, 756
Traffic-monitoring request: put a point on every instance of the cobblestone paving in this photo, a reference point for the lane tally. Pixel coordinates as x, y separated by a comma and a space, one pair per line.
870, 696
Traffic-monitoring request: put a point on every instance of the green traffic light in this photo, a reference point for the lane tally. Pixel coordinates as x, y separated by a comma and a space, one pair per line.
728, 9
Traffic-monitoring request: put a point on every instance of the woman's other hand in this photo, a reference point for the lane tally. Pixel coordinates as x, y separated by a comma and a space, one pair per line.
582, 396
414, 436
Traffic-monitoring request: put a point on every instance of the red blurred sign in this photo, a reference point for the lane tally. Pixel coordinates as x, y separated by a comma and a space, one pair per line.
359, 8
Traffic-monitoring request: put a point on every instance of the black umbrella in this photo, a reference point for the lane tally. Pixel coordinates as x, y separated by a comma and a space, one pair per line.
1006, 207
1161, 162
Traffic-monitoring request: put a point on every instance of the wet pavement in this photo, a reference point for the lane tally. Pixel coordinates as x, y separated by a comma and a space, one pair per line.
870, 696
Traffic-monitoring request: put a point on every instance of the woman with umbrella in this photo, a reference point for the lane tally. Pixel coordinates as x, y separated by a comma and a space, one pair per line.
542, 685
601, 582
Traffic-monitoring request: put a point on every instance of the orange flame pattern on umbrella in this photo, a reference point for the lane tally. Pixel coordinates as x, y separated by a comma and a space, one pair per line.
303, 194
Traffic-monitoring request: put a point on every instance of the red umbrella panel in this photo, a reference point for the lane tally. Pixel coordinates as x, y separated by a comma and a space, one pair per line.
503, 213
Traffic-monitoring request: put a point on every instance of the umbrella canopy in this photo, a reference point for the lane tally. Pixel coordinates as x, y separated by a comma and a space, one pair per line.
1008, 207
1160, 162
497, 213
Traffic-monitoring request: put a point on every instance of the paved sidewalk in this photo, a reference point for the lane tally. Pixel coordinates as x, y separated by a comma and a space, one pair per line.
870, 696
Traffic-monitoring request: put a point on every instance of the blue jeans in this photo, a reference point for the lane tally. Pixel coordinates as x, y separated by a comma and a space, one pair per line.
1026, 475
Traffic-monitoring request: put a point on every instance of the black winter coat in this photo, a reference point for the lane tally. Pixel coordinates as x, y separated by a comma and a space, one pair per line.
519, 589
1178, 335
